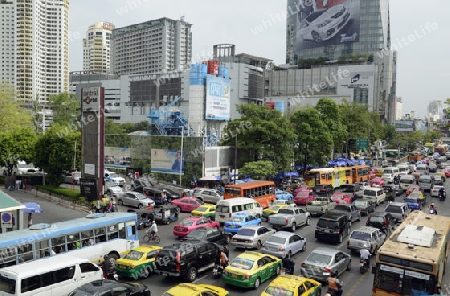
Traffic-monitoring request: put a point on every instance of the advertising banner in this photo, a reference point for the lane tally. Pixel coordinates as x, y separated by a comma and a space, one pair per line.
217, 98
167, 161
404, 126
91, 98
331, 22
88, 188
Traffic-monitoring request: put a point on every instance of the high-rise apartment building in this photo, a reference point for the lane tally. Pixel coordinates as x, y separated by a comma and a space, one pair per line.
34, 47
154, 46
336, 28
97, 48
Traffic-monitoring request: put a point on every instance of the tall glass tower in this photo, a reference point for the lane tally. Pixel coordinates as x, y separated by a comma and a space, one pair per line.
336, 28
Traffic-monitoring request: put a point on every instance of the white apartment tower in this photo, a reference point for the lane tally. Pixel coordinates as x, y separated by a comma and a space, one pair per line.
97, 48
34, 39
154, 46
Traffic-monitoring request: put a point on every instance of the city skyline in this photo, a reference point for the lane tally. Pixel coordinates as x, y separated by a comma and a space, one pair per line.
417, 35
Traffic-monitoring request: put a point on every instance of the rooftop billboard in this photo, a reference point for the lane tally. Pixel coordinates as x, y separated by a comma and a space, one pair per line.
331, 22
404, 126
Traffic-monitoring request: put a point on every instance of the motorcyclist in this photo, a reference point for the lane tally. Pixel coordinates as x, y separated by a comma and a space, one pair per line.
364, 254
334, 284
433, 209
441, 193
164, 196
108, 267
288, 265
223, 258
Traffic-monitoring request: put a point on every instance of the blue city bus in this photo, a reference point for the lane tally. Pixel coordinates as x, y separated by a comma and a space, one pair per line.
90, 237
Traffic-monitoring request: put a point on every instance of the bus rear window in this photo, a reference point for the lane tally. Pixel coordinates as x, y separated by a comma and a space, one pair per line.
222, 209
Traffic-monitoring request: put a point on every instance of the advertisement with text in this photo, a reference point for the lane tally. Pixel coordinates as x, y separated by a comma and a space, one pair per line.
217, 98
167, 161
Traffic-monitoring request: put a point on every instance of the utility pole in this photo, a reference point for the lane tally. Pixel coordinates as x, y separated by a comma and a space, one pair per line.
235, 158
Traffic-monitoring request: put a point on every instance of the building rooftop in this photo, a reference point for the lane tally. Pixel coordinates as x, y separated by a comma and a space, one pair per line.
144, 25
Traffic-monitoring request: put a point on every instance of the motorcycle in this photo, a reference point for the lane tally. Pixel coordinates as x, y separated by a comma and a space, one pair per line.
218, 270
442, 195
364, 265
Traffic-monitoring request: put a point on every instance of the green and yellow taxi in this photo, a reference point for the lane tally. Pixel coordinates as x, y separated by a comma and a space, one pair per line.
273, 209
442, 174
419, 195
205, 210
250, 269
186, 289
293, 285
137, 263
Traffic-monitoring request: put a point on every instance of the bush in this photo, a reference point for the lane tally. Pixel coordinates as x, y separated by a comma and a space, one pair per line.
74, 194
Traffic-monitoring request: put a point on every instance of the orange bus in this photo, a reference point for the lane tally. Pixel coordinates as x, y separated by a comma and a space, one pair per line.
260, 190
361, 173
335, 177
415, 156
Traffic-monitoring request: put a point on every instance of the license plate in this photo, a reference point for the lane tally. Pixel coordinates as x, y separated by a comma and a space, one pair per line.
166, 274
231, 226
222, 216
361, 264
234, 275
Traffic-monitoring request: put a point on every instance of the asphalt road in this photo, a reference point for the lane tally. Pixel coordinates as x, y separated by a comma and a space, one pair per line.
354, 283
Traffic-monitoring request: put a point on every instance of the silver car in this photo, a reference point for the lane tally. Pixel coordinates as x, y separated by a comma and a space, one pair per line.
112, 189
251, 237
322, 261
284, 243
72, 178
366, 237
211, 196
135, 199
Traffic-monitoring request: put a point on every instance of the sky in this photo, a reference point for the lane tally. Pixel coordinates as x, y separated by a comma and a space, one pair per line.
423, 65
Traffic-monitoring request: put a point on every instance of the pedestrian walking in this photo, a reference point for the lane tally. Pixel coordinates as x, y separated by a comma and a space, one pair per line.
30, 220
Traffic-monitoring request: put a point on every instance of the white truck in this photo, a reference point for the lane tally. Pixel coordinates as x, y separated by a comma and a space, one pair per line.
320, 206
289, 217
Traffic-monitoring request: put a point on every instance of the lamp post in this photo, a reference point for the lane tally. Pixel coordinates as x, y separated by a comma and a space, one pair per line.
182, 160
235, 158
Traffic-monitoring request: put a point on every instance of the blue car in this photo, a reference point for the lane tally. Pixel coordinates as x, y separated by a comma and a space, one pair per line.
239, 220
413, 203
284, 195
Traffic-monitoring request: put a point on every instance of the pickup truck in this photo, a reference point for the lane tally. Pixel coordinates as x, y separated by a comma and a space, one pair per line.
289, 217
352, 212
321, 205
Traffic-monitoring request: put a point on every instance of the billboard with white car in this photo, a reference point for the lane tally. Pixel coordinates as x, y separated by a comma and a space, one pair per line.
327, 22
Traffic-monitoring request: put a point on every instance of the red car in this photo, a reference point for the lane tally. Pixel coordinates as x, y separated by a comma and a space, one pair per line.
412, 188
339, 197
189, 224
301, 188
304, 196
186, 204
377, 182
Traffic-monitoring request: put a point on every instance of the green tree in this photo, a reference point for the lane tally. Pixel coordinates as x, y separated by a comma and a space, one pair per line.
12, 115
66, 109
313, 137
55, 154
330, 114
15, 145
262, 169
265, 133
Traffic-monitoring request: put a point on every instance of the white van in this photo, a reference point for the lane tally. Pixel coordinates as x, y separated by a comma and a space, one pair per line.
227, 207
404, 168
422, 168
390, 173
425, 182
376, 194
58, 275
406, 181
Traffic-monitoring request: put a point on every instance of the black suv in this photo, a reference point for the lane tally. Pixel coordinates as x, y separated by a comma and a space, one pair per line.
381, 220
156, 195
141, 185
105, 287
323, 190
332, 226
186, 259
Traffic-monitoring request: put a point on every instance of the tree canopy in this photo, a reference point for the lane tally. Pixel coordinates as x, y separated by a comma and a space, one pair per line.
12, 115
66, 109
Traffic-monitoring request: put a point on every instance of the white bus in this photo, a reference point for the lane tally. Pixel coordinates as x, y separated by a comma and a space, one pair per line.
58, 275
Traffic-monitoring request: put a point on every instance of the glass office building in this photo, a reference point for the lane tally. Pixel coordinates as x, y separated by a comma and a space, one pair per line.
335, 28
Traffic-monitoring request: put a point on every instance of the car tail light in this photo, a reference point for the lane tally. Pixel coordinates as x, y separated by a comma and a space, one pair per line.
326, 269
303, 264
287, 221
268, 219
348, 243
177, 257
282, 248
229, 215
178, 267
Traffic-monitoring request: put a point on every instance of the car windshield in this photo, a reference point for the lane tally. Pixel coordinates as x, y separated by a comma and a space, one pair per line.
246, 232
324, 223
359, 235
360, 203
303, 194
133, 255
415, 195
196, 234
278, 291
370, 193
242, 263
236, 219
425, 180
113, 175
140, 196
393, 209
277, 240
201, 209
186, 223
319, 258
274, 208
376, 219
411, 200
